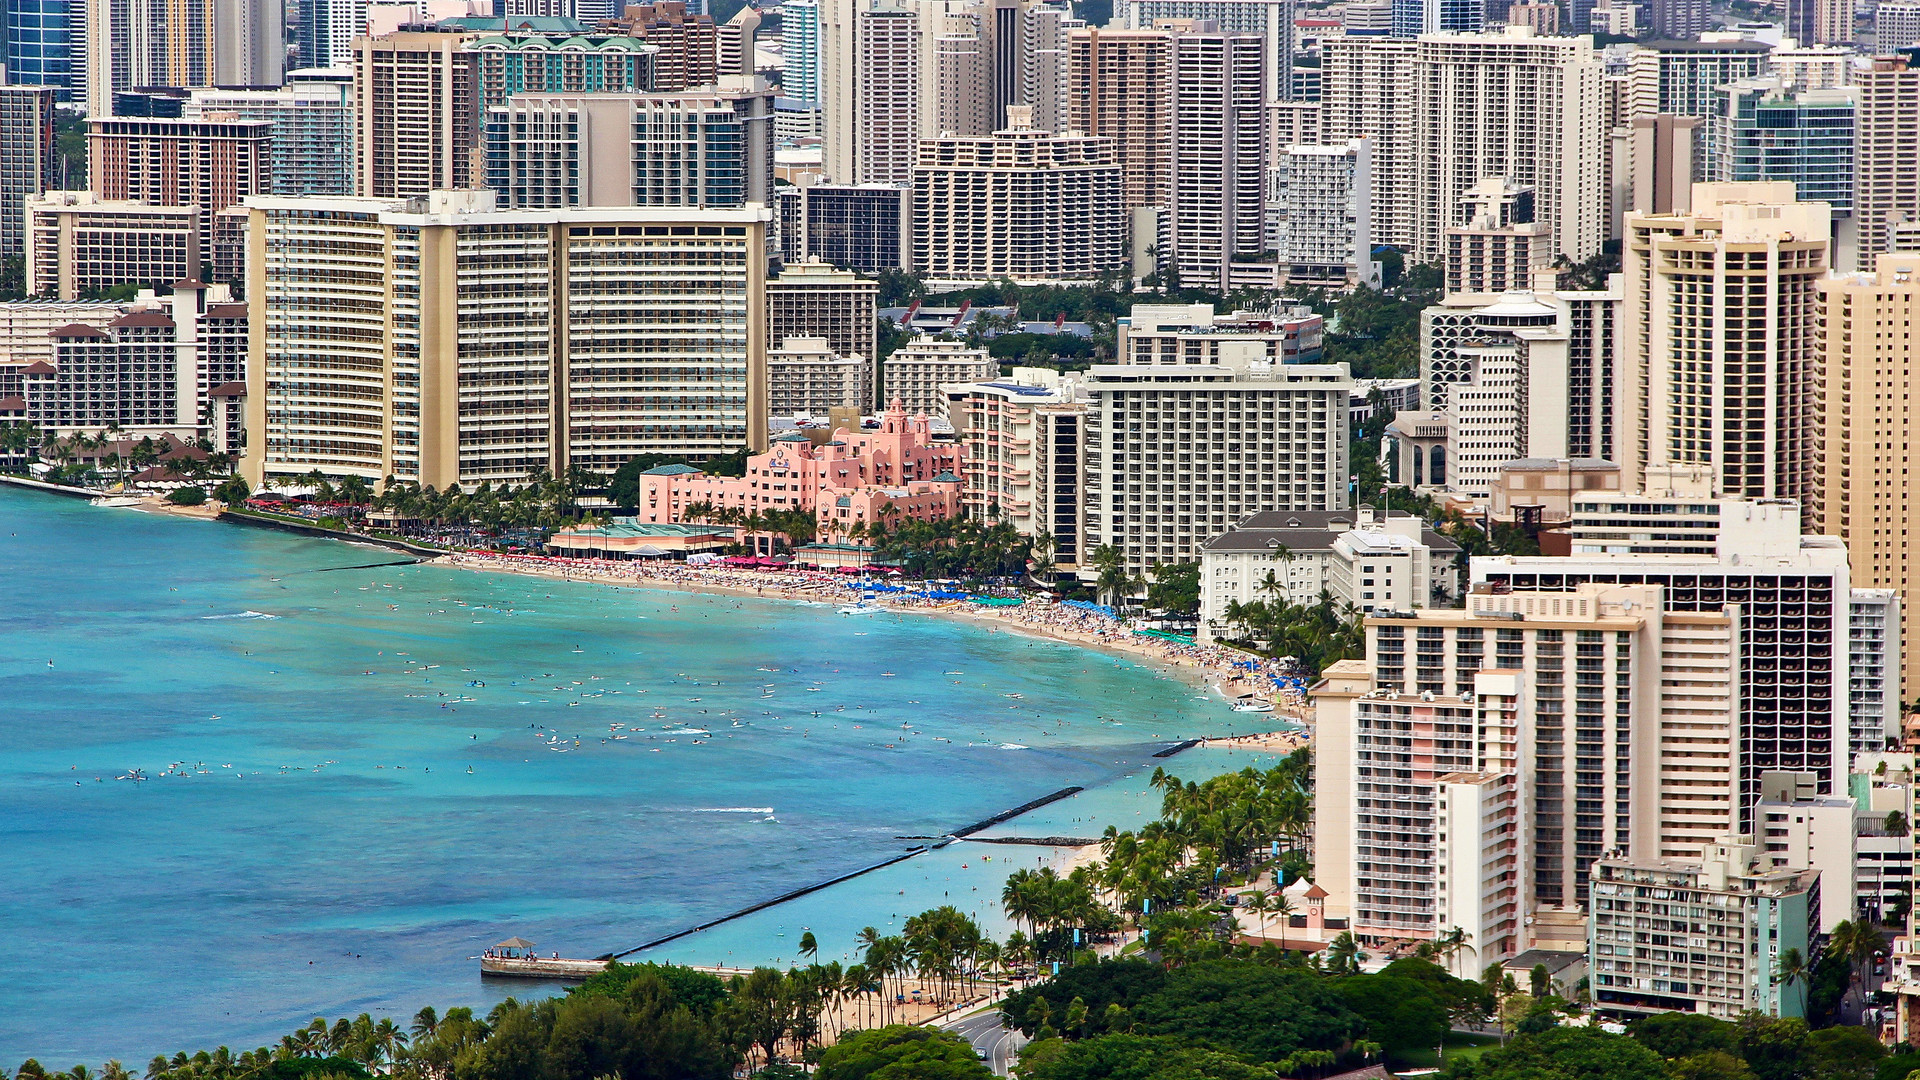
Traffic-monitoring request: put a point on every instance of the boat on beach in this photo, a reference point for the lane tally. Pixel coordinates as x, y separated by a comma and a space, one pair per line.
516, 958
1253, 705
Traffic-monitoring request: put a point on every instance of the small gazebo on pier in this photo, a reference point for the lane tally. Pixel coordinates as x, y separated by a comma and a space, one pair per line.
514, 948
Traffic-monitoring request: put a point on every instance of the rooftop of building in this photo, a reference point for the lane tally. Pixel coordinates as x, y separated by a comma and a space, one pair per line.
673, 470
1306, 530
1557, 464
1742, 46
1554, 960
631, 527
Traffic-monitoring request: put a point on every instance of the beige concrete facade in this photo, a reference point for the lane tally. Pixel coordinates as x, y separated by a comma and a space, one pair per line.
442, 341
1121, 90
1718, 347
1886, 134
76, 242
1021, 204
1868, 491
416, 113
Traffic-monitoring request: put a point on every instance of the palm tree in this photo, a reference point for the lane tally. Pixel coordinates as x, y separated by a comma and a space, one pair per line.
809, 947
1261, 906
1792, 969
1280, 906
1112, 568
387, 1039
1344, 957
1449, 945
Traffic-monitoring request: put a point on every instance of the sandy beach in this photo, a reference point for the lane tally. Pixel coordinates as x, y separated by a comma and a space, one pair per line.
1216, 666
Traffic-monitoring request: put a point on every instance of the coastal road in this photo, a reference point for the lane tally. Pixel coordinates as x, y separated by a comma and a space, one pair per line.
1000, 1045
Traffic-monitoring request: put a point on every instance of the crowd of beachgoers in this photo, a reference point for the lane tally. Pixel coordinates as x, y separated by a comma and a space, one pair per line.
1236, 673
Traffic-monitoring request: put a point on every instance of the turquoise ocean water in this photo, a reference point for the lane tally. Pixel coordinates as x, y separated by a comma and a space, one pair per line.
361, 776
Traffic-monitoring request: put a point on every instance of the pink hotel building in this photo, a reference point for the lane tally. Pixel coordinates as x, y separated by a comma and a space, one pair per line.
895, 473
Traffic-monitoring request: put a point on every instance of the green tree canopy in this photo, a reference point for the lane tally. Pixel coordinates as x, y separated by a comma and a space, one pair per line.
1678, 1035
1139, 1057
1402, 1014
1564, 1053
1260, 1013
901, 1052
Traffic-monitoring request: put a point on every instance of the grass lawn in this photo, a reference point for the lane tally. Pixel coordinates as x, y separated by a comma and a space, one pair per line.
1459, 1046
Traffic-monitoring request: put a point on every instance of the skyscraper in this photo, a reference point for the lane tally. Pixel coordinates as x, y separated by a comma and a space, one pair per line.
209, 164
1768, 129
1217, 198
312, 117
1177, 453
886, 99
1886, 186
416, 113
1681, 19
1367, 92
1320, 214
1868, 491
249, 43
1271, 19
26, 158
1719, 345
326, 29
600, 334
1063, 190
800, 50
46, 44
1820, 21
1411, 18
1120, 89
530, 62
1514, 105
711, 147
1678, 77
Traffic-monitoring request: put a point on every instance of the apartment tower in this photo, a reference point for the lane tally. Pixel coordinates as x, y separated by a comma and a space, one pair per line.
1886, 184
1719, 354
1217, 192
1121, 90
1868, 489
416, 113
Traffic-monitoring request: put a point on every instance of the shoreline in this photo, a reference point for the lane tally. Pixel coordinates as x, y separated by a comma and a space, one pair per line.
1211, 667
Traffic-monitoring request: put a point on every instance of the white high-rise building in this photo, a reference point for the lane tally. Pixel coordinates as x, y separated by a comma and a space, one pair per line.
1217, 215
806, 378
1784, 615
917, 373
1367, 92
1271, 19
1896, 24
1811, 67
1177, 453
1320, 214
1514, 105
873, 94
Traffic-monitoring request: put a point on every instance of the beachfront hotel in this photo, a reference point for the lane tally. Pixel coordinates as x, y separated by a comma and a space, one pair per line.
441, 340
855, 476
1176, 453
